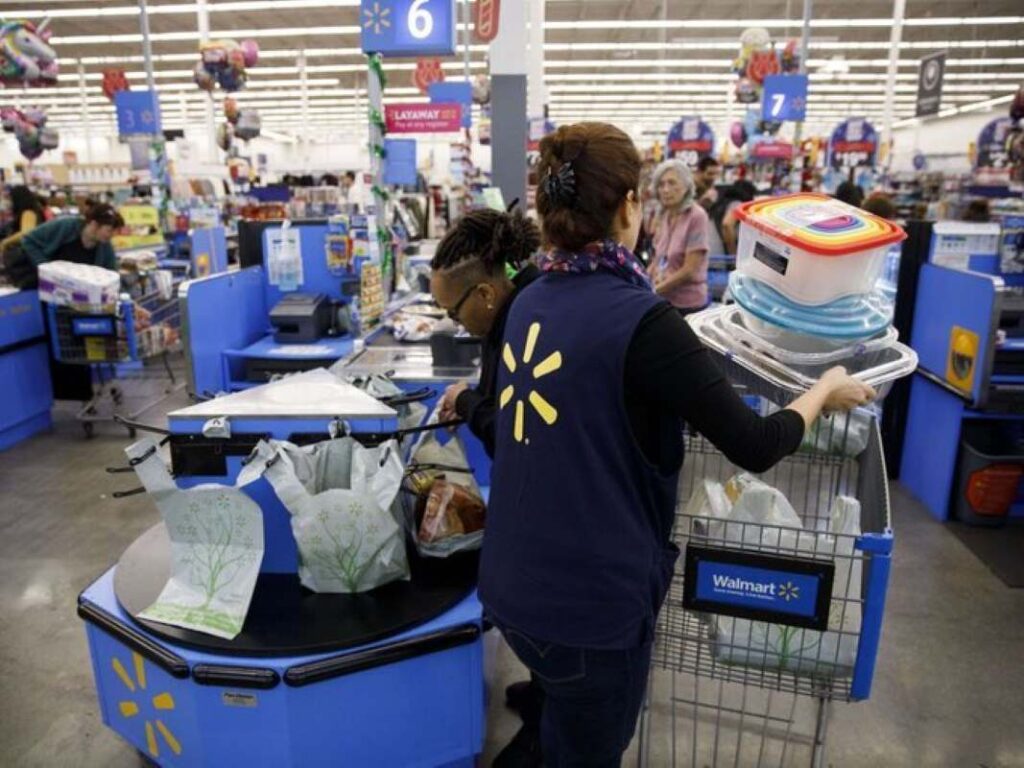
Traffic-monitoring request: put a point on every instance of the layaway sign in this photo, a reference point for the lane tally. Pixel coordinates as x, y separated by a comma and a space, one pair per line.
423, 118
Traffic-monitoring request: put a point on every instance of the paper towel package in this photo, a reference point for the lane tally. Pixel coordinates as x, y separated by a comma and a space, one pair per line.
69, 284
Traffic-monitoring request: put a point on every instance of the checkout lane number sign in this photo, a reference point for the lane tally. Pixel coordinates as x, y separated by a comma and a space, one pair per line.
408, 27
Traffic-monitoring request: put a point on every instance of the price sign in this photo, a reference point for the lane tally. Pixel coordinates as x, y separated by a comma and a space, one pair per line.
138, 112
992, 144
691, 139
785, 98
408, 27
854, 143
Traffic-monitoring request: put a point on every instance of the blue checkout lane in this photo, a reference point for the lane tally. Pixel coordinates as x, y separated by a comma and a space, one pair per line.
25, 390
387, 708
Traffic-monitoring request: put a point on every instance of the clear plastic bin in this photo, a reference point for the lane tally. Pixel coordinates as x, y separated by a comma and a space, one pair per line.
812, 248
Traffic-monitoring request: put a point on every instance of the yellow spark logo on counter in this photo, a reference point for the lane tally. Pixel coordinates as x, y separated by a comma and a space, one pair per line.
549, 364
162, 702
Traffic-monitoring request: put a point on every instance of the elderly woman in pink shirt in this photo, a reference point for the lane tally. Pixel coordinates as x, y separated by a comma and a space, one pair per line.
679, 268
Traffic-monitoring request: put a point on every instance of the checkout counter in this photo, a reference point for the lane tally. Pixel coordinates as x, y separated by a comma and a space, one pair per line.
968, 331
25, 392
389, 677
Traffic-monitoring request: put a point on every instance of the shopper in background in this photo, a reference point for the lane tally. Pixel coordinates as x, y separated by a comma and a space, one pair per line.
978, 210
881, 205
469, 281
709, 171
598, 374
723, 232
850, 193
679, 269
82, 239
26, 210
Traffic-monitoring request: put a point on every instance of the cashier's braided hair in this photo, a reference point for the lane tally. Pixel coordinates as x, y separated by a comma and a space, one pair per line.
487, 240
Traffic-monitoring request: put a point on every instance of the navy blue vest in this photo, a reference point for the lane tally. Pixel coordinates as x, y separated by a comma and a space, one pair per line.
573, 552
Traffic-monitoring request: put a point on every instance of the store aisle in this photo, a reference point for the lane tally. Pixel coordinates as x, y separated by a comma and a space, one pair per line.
949, 688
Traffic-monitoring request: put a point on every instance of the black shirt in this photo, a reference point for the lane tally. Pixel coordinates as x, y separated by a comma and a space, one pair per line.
477, 407
670, 377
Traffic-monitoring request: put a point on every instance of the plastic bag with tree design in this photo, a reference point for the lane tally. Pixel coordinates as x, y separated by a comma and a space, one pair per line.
340, 496
216, 534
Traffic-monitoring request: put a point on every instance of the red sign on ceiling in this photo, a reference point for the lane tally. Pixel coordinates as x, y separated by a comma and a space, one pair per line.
486, 15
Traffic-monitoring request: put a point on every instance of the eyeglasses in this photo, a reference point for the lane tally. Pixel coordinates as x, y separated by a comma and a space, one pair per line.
453, 313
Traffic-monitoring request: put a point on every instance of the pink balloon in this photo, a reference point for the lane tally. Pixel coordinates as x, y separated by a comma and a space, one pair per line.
738, 134
251, 51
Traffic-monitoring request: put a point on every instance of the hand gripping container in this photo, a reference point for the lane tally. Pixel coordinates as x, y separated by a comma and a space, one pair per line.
812, 248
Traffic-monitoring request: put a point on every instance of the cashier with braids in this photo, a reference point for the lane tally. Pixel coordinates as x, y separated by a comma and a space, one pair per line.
597, 376
470, 280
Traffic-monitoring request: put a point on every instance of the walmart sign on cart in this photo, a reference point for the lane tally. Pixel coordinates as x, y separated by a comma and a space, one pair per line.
782, 590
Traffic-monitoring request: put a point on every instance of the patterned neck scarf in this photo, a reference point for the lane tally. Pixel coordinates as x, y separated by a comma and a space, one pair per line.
608, 256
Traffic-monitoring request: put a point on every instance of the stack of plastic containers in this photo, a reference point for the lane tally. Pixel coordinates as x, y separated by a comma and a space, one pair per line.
807, 295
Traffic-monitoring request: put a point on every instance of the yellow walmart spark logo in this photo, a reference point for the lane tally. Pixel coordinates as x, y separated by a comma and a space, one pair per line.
549, 364
162, 702
377, 19
789, 591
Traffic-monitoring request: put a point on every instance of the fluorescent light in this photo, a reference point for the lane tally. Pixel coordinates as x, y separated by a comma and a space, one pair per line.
773, 23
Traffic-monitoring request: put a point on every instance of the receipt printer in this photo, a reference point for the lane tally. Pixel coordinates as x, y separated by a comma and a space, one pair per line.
300, 318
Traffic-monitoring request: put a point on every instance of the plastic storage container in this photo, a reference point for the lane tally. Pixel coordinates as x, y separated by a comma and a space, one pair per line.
812, 248
878, 365
802, 328
989, 473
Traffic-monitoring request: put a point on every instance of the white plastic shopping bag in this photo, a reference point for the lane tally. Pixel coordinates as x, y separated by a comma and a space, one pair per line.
340, 496
216, 534
762, 519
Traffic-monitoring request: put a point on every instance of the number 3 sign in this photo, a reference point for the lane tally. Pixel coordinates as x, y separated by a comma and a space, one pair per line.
408, 27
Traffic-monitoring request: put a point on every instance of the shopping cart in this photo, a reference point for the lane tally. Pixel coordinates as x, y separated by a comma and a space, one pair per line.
110, 341
737, 684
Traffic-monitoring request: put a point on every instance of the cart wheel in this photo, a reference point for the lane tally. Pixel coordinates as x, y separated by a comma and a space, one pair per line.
89, 429
132, 432
116, 395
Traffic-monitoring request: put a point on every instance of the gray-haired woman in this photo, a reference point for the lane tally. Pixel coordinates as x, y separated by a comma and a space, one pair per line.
679, 269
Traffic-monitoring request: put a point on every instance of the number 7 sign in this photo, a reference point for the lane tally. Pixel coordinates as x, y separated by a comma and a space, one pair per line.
785, 98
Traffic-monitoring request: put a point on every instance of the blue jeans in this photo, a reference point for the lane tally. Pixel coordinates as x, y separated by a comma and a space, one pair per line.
592, 699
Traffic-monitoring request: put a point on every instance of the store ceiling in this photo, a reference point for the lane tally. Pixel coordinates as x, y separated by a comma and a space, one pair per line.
629, 61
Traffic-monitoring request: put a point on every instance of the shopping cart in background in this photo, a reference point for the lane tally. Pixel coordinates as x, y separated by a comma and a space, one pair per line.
767, 625
117, 343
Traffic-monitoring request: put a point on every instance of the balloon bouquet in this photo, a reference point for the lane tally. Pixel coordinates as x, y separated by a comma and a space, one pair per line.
26, 58
224, 63
758, 59
29, 128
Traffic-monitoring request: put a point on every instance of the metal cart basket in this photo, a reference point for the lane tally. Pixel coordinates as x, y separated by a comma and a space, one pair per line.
739, 688
107, 339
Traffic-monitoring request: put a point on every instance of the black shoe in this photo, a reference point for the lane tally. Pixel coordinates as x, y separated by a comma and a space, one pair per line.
519, 695
522, 752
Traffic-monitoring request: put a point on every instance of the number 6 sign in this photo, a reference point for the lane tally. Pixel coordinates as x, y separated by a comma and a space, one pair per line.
408, 27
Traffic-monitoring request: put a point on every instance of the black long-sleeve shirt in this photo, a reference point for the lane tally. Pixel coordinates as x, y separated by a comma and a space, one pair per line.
670, 377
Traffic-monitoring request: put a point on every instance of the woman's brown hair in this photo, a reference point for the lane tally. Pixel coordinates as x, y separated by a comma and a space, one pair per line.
586, 170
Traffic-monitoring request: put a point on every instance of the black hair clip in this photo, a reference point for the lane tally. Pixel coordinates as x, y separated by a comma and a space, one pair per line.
560, 186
